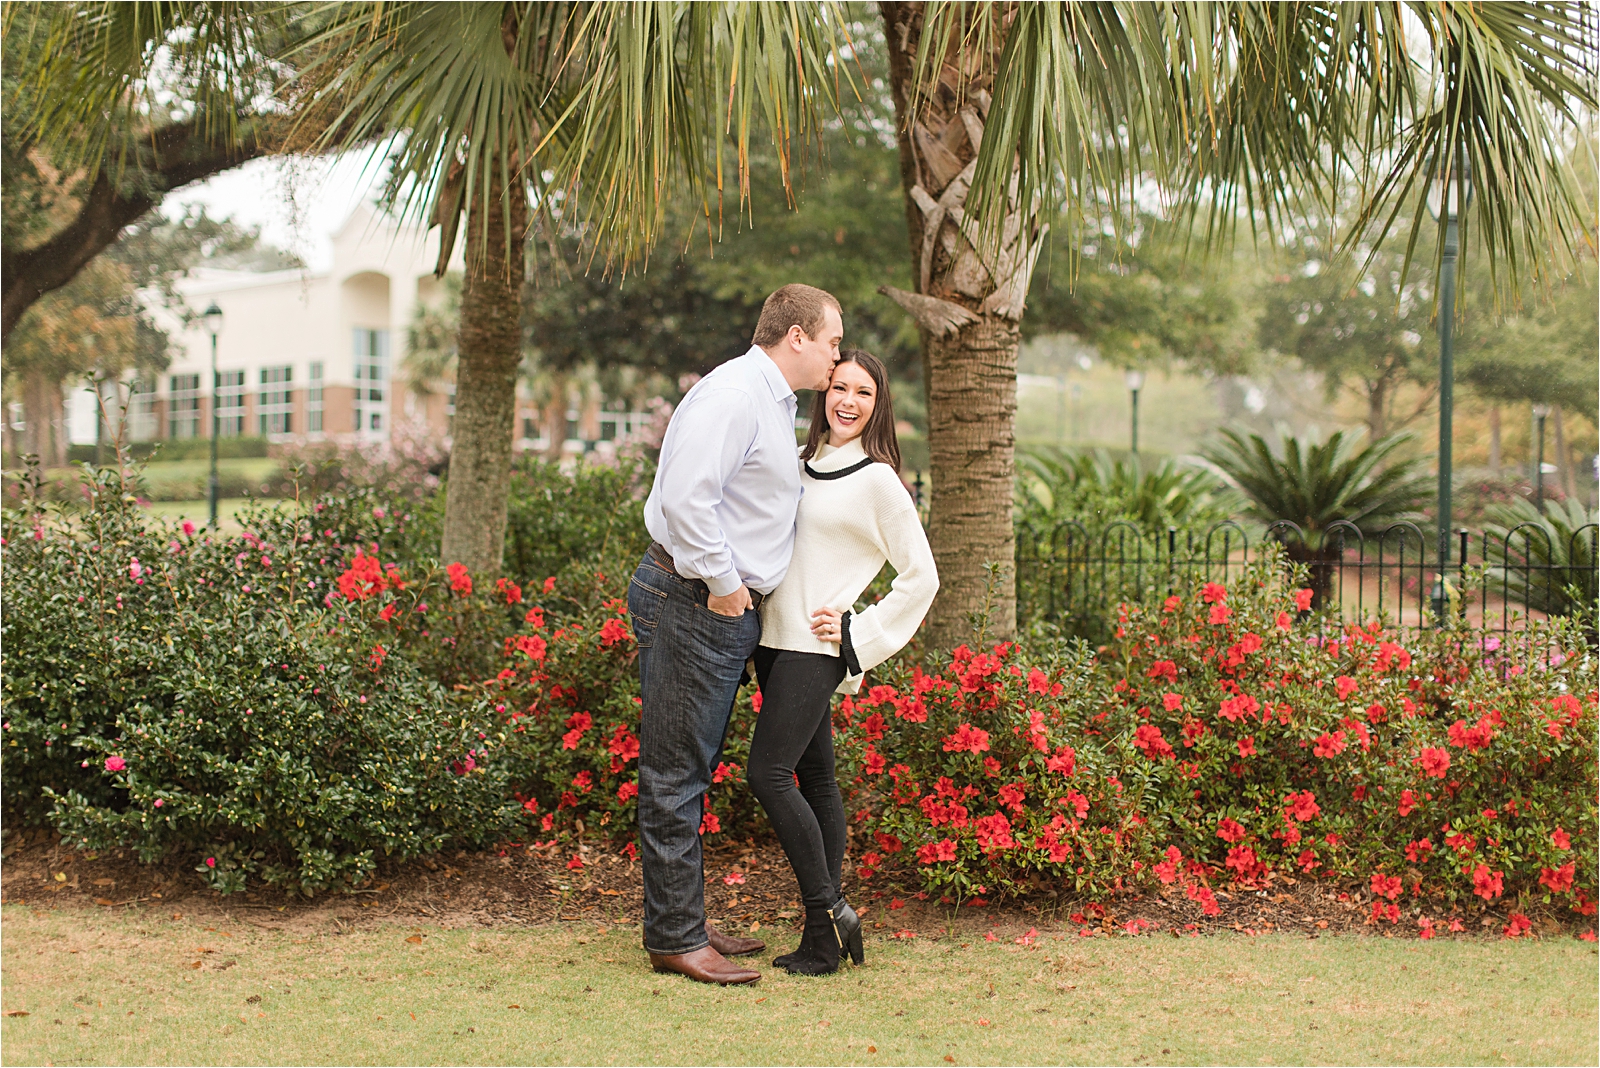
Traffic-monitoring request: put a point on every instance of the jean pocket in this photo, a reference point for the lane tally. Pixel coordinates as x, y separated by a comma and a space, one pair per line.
644, 611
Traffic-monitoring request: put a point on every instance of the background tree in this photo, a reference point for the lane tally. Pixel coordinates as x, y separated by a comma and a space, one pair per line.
121, 103
1365, 326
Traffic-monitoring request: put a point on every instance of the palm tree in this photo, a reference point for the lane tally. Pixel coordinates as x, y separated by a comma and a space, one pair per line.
513, 108
1323, 489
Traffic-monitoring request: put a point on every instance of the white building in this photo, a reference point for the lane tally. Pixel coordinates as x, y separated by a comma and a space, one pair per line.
308, 356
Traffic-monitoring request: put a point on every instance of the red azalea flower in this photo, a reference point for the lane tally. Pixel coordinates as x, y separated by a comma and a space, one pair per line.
1213, 593
1162, 669
1560, 839
1344, 685
627, 792
1329, 744
1408, 802
1486, 884
509, 590
1230, 830
612, 631
1386, 885
535, 618
1038, 681
460, 578
1284, 622
1247, 746
1302, 600
710, 824
575, 864
1435, 762
1147, 738
1220, 614
1063, 760
1519, 926
1170, 604
1303, 806
387, 612
1559, 879
1172, 702
1419, 851
967, 739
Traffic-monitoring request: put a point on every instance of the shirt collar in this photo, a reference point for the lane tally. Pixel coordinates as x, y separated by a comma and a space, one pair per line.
769, 371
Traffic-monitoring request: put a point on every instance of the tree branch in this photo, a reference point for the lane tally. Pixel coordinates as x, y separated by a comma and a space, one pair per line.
175, 156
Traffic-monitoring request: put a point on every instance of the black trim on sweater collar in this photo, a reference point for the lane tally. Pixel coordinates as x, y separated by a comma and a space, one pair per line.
852, 469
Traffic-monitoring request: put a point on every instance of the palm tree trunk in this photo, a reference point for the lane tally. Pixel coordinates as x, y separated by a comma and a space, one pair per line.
968, 305
489, 346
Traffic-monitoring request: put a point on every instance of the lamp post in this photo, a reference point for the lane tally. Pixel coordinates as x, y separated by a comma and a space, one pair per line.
1540, 413
211, 318
1135, 382
1449, 196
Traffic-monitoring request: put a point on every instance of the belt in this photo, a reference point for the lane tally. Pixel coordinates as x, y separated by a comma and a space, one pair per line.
664, 558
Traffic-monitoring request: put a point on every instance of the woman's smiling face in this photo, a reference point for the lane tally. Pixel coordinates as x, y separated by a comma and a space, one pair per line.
851, 396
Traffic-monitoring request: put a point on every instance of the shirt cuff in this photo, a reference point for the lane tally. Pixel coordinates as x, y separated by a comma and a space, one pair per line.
847, 648
723, 585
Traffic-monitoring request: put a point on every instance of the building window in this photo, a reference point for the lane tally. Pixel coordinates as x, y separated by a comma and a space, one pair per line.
314, 399
183, 406
273, 404
143, 421
372, 376
230, 404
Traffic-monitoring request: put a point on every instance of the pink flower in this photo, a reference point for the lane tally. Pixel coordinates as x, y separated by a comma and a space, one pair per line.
188, 528
733, 878
211, 862
135, 569
115, 763
575, 864
159, 802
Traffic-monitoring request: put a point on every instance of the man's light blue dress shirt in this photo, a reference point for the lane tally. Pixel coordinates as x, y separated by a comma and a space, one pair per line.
728, 484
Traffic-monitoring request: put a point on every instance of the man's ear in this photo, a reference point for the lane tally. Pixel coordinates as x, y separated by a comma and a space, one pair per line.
796, 337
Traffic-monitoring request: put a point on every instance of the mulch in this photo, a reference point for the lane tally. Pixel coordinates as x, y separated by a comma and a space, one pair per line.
526, 886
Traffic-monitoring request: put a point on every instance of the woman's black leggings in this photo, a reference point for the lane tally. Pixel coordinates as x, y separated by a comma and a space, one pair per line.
794, 740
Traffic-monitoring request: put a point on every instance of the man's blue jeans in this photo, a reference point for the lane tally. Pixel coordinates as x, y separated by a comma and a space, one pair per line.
690, 661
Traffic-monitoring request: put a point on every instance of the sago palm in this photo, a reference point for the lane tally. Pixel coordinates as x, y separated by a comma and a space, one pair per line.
1315, 486
1544, 561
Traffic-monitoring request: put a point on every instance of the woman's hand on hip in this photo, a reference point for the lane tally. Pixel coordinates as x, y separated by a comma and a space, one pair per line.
826, 625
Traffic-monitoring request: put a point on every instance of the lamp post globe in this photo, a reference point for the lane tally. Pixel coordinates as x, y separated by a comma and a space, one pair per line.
211, 319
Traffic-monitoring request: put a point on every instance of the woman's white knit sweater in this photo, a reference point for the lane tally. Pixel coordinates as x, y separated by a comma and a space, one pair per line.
844, 531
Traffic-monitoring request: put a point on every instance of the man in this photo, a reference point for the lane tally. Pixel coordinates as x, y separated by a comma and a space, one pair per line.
721, 514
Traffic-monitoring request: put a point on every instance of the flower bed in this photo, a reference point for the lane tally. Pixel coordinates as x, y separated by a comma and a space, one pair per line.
1223, 738
301, 701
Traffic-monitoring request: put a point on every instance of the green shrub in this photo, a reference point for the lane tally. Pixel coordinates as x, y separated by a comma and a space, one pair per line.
174, 693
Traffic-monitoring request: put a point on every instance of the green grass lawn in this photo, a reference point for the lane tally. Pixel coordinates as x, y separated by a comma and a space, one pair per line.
227, 509
143, 988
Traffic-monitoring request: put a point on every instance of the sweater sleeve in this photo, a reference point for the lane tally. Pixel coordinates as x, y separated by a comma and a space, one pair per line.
881, 630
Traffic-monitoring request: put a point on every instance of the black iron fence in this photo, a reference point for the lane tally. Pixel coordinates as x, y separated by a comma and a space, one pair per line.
1497, 580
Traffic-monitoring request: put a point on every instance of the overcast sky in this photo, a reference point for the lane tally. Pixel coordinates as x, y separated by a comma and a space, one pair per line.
298, 202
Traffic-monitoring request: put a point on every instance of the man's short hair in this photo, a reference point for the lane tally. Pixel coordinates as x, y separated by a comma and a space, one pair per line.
794, 305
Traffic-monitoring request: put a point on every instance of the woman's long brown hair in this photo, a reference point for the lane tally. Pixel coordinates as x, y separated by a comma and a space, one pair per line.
878, 439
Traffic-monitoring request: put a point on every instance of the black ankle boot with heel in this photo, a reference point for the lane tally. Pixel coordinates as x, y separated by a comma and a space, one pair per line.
819, 948
847, 929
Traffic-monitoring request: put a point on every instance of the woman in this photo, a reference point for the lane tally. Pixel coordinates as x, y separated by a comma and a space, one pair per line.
855, 514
